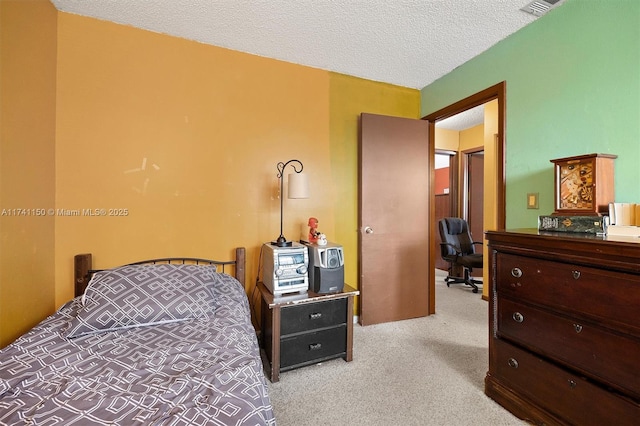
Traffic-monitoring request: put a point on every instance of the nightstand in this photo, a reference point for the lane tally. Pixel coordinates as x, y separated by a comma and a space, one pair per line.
304, 329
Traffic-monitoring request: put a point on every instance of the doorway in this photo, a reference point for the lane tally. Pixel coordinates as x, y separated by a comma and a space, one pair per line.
410, 270
459, 186
493, 209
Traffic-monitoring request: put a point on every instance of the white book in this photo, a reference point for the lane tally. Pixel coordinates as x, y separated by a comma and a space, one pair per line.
625, 230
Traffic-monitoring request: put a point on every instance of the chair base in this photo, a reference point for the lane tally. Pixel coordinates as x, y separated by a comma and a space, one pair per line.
467, 280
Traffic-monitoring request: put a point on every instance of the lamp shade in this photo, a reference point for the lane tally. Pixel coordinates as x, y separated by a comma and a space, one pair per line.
298, 185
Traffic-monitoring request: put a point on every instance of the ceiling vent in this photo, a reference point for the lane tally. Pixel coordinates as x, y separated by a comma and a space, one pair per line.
540, 7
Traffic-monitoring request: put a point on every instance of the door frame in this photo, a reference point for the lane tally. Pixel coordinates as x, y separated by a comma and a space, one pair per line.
466, 199
452, 205
497, 91
464, 179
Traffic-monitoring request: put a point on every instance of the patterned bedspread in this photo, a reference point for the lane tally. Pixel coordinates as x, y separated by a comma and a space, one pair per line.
193, 372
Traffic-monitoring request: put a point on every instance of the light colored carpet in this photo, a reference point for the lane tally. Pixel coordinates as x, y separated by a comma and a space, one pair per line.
424, 371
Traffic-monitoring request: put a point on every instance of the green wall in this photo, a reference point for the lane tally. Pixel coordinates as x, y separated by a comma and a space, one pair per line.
573, 87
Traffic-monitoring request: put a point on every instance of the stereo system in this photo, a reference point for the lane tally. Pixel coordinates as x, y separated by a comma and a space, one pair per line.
299, 268
285, 268
326, 268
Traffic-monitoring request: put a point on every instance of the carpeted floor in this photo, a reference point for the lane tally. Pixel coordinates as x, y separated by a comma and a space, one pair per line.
425, 371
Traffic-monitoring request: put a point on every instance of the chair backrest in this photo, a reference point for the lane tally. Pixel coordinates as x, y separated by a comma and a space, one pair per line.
455, 231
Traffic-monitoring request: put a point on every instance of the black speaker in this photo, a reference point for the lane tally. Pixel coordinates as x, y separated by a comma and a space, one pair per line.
326, 268
326, 280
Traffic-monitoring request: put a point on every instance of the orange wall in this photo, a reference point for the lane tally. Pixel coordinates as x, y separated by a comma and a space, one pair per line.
212, 124
27, 166
472, 137
441, 181
448, 140
179, 137
491, 190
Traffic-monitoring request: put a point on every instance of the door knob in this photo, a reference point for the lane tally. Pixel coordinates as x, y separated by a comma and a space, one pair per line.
368, 230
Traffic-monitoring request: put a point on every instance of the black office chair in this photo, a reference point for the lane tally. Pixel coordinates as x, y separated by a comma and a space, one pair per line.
457, 248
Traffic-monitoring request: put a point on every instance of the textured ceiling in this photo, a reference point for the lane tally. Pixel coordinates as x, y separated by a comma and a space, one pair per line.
464, 120
408, 43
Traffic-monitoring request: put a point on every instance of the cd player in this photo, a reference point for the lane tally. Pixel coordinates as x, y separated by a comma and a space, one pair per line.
285, 268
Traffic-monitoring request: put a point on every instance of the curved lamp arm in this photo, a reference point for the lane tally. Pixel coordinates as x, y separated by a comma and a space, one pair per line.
282, 241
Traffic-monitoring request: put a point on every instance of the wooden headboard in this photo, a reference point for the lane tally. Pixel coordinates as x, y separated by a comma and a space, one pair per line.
83, 267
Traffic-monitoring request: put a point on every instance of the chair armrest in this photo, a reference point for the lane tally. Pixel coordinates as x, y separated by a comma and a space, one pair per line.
455, 248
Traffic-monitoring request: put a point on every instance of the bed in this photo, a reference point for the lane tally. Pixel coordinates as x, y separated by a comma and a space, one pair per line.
160, 342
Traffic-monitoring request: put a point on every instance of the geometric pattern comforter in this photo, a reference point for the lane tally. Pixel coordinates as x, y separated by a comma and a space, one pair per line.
194, 372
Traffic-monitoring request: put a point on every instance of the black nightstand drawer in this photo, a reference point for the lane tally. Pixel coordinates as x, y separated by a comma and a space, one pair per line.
312, 316
313, 347
305, 330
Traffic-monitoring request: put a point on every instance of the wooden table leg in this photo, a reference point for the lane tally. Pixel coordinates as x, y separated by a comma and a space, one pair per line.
275, 344
349, 355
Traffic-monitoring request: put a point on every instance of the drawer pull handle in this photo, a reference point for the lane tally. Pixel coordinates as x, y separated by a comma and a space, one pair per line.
577, 328
572, 383
518, 317
516, 272
316, 315
576, 274
315, 346
513, 363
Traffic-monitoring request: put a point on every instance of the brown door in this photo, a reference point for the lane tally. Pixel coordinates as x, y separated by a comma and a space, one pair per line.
476, 194
446, 203
475, 205
393, 220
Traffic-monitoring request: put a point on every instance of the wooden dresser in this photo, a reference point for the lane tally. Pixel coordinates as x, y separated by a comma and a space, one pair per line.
564, 327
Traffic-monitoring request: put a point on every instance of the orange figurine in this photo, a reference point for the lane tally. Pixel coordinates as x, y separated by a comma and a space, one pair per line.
313, 230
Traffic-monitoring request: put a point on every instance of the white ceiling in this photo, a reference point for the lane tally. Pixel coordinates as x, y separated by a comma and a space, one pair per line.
464, 120
409, 43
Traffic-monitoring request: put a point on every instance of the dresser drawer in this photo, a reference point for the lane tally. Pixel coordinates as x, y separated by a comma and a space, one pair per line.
313, 347
606, 296
566, 395
584, 346
313, 316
